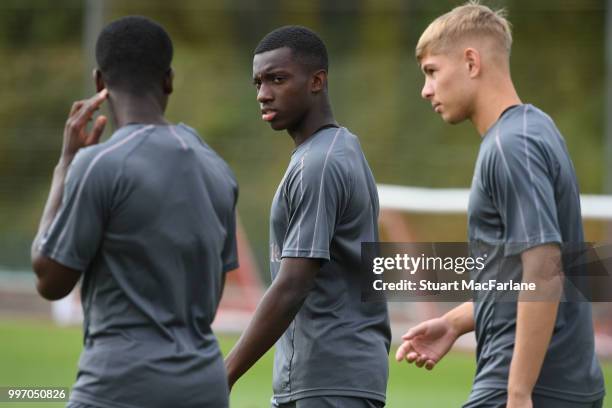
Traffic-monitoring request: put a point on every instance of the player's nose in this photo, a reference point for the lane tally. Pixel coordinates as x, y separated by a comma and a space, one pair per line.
427, 91
264, 94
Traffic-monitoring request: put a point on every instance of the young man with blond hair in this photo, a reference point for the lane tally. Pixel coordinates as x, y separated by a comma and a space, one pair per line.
524, 206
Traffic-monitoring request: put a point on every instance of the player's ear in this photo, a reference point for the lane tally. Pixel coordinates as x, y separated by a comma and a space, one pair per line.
168, 81
97, 77
318, 81
472, 61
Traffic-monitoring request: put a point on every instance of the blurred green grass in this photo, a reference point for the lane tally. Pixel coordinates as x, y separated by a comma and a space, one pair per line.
34, 353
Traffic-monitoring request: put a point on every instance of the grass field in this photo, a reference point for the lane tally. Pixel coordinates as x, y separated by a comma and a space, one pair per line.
39, 354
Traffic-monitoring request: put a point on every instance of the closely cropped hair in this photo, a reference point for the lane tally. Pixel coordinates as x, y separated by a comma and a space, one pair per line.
134, 53
470, 19
306, 45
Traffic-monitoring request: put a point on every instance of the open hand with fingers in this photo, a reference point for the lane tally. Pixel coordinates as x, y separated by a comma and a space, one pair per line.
76, 135
426, 343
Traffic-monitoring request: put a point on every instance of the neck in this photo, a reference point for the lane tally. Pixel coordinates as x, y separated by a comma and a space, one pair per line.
128, 108
492, 103
312, 121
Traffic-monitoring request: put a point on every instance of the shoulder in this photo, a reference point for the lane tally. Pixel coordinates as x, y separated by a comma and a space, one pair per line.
526, 124
521, 134
104, 160
522, 145
219, 164
333, 148
205, 147
199, 141
322, 157
335, 141
93, 161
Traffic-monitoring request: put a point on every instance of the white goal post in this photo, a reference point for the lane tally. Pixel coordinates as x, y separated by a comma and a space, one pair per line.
455, 201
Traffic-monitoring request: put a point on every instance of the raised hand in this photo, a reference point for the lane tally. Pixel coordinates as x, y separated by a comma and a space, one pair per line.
76, 135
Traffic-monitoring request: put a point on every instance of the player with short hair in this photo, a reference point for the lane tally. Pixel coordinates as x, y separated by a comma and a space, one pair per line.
147, 218
524, 206
332, 348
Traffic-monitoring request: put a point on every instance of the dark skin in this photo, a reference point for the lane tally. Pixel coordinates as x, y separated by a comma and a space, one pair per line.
294, 98
296, 94
54, 279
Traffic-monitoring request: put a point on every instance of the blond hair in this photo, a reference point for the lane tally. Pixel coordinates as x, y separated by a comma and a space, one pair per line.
469, 20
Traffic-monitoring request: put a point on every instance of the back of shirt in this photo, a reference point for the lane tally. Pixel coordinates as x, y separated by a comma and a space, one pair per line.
149, 217
524, 194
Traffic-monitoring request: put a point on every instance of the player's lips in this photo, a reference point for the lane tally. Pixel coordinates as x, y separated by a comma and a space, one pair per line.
436, 106
268, 114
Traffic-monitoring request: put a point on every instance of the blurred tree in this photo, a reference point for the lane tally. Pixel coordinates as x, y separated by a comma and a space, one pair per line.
557, 63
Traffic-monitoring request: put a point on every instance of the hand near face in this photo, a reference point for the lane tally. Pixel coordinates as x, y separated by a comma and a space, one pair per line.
426, 343
76, 135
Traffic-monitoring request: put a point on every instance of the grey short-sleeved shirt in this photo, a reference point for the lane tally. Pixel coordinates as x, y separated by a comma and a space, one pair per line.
325, 206
524, 194
149, 218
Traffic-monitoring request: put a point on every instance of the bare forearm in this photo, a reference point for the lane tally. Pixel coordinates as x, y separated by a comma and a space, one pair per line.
534, 327
461, 318
52, 205
273, 315
536, 316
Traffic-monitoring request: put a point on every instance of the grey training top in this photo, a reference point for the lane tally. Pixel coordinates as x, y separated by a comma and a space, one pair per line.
524, 193
325, 206
149, 218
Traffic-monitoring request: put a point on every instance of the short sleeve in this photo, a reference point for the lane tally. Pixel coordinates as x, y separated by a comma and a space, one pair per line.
314, 194
230, 246
75, 235
521, 185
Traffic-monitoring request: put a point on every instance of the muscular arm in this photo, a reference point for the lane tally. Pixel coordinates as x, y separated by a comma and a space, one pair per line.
275, 312
56, 280
535, 319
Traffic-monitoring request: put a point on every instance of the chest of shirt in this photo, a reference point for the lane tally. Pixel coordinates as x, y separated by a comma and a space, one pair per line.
484, 217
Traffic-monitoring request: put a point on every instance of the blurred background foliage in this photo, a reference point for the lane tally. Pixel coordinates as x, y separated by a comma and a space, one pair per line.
557, 65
